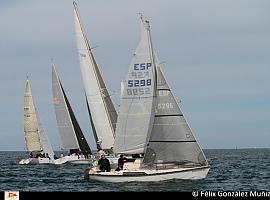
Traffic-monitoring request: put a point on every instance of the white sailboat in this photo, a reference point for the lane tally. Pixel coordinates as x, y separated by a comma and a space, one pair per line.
69, 130
36, 140
152, 126
101, 110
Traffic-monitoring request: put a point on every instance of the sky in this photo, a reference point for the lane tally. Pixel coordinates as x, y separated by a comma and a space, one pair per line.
215, 58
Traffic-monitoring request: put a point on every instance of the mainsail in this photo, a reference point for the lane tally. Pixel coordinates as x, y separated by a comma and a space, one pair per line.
101, 109
35, 136
70, 132
135, 118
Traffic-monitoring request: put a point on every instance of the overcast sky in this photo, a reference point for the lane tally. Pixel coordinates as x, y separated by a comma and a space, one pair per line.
216, 58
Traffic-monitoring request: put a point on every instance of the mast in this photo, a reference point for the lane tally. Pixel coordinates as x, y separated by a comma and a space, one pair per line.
151, 53
103, 113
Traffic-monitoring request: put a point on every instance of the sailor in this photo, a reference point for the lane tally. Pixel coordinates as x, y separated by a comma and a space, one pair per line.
31, 155
121, 162
104, 164
100, 153
47, 156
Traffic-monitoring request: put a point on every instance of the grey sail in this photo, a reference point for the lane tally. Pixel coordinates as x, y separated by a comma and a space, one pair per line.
171, 140
64, 123
70, 132
135, 117
103, 114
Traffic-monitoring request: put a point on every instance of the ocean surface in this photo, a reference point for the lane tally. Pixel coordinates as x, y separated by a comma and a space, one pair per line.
231, 170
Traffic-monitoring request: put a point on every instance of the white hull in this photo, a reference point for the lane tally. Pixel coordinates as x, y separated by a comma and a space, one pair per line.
74, 159
151, 175
36, 161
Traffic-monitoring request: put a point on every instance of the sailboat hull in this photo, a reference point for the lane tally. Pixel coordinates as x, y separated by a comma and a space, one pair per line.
36, 161
195, 173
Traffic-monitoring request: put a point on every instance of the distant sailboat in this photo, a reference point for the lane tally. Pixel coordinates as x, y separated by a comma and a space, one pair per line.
70, 132
36, 140
101, 109
152, 126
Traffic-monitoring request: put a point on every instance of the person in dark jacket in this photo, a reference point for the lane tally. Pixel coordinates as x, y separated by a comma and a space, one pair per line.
104, 164
121, 162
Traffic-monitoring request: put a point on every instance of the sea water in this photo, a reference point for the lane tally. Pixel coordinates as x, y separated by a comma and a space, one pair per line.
231, 170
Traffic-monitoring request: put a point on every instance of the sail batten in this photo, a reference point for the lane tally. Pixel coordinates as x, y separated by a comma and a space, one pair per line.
102, 110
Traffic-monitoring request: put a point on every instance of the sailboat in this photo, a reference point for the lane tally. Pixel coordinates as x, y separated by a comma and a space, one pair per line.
101, 110
70, 132
152, 126
36, 140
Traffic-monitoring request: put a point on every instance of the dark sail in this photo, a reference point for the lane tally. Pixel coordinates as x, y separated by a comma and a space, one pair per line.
84, 147
93, 126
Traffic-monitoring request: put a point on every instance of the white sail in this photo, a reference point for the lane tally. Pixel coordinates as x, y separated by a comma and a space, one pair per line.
65, 127
103, 114
35, 136
135, 118
45, 142
31, 127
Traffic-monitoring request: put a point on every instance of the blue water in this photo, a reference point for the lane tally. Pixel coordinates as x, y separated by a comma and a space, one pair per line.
241, 169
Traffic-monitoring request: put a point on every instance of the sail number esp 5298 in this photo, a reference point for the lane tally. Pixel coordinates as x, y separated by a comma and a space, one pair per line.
141, 79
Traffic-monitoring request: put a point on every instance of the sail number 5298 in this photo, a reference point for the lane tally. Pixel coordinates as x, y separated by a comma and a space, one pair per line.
139, 83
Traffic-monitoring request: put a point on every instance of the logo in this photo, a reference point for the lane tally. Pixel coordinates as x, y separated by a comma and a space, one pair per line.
11, 195
56, 101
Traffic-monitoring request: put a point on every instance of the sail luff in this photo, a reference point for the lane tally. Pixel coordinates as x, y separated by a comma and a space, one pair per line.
151, 49
154, 69
102, 110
